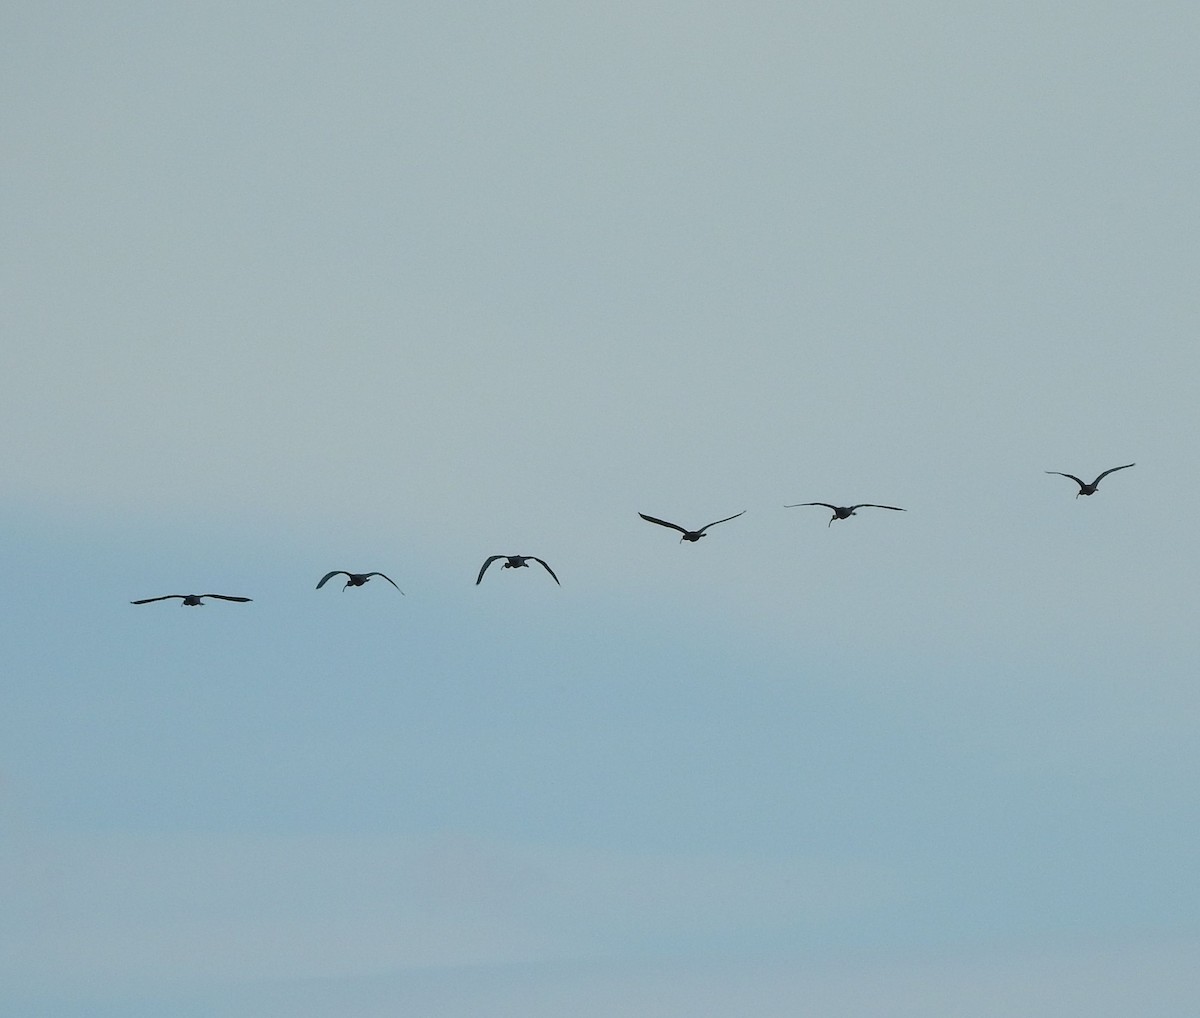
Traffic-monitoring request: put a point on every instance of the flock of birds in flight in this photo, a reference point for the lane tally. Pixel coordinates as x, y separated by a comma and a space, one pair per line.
840, 512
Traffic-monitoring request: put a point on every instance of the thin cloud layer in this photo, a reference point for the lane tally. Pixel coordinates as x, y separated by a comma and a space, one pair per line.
147, 912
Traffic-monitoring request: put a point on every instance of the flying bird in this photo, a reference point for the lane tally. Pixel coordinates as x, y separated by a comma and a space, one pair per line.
844, 512
354, 579
689, 535
1084, 487
514, 562
191, 600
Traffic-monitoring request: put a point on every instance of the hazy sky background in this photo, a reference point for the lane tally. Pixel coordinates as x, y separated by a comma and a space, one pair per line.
299, 287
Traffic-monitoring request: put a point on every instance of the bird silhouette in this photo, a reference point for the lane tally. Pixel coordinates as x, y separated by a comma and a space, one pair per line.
191, 600
1084, 487
689, 535
354, 579
844, 512
514, 562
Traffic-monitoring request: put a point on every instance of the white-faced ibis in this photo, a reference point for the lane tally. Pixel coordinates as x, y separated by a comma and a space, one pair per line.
1084, 487
354, 579
844, 512
191, 600
689, 535
514, 562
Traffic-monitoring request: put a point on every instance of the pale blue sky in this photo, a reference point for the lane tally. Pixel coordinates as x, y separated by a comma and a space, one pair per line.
291, 288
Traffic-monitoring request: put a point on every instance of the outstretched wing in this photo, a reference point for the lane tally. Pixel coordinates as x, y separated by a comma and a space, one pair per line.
328, 576
799, 504
1072, 476
664, 523
726, 520
1110, 470
165, 597
226, 597
388, 578
483, 568
875, 505
544, 566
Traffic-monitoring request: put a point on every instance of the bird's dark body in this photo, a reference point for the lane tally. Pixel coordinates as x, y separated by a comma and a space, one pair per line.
190, 600
1084, 487
514, 562
844, 512
354, 579
689, 535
